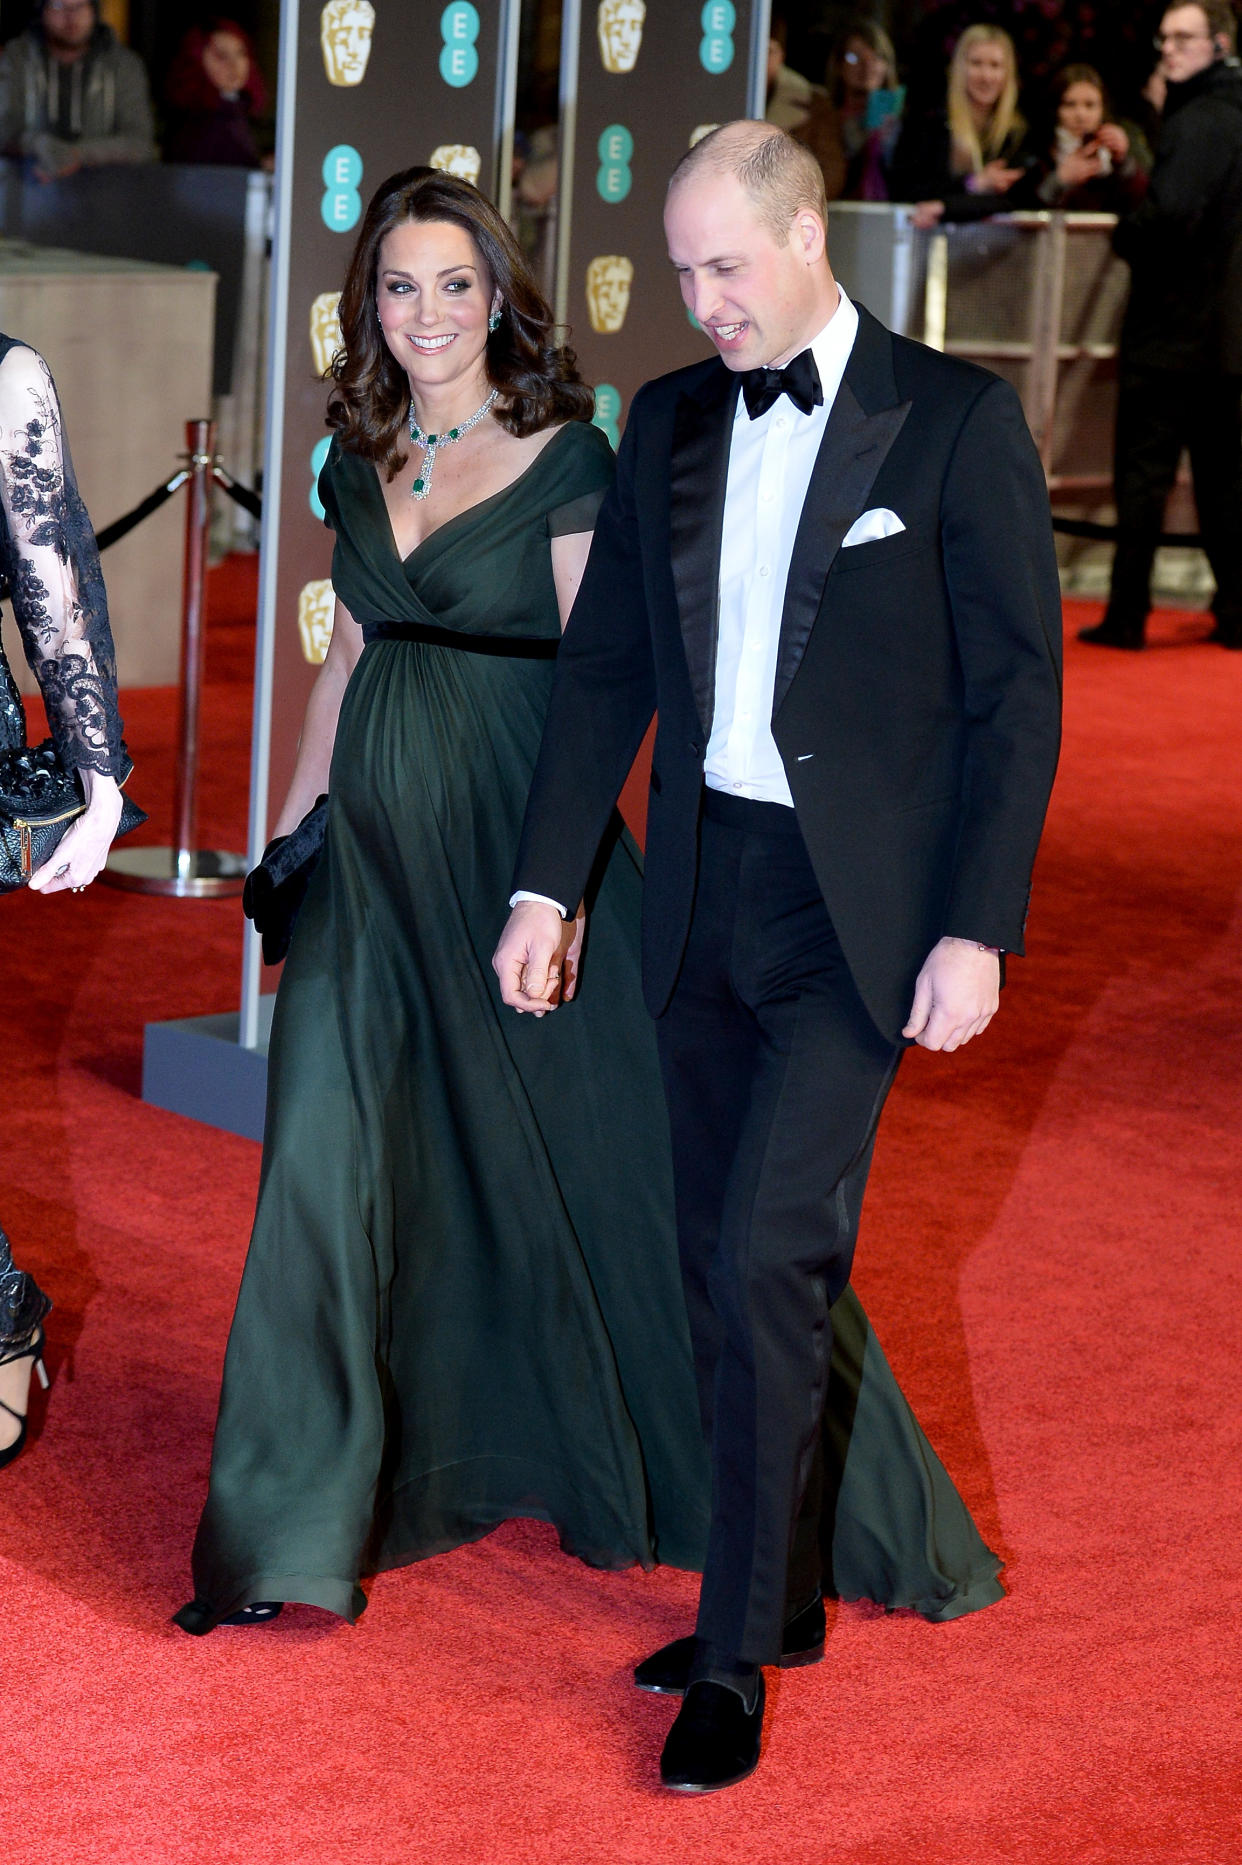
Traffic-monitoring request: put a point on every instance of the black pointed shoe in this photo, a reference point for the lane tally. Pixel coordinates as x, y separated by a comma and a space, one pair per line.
714, 1742
802, 1642
1114, 633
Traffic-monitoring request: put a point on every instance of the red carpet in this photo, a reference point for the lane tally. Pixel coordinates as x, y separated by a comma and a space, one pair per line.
1050, 1258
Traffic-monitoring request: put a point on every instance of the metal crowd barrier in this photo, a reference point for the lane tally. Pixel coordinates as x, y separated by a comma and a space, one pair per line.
1036, 297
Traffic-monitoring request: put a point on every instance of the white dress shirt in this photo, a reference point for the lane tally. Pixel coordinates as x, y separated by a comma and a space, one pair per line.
770, 462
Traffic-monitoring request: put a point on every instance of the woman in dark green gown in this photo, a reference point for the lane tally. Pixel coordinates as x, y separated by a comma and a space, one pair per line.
461, 1302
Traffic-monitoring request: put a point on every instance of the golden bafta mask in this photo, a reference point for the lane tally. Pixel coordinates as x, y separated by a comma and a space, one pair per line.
620, 26
345, 29
315, 609
458, 158
325, 330
703, 129
609, 278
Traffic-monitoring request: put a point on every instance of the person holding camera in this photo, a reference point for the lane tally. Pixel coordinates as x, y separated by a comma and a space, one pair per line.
1180, 357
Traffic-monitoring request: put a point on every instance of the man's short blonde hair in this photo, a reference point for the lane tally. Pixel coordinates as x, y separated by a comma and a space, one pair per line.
782, 178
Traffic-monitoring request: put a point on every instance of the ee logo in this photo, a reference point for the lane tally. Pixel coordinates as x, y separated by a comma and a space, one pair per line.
459, 28
319, 454
342, 204
608, 413
718, 18
616, 149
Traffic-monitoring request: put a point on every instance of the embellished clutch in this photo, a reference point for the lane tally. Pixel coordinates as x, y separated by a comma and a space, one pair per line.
275, 890
39, 797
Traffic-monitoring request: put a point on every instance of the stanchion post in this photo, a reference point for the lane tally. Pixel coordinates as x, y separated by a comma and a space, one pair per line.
200, 441
185, 869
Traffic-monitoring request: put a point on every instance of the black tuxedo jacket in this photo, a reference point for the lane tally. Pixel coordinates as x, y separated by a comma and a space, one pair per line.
917, 700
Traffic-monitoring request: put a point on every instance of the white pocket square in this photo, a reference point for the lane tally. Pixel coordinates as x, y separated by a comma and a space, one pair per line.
872, 526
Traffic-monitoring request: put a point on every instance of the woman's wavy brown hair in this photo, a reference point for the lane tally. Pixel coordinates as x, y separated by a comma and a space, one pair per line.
537, 377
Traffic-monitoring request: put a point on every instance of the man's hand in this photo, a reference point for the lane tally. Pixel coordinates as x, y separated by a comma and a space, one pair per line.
955, 996
528, 961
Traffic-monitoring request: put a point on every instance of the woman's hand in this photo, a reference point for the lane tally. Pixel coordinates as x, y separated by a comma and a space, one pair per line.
993, 178
571, 954
1078, 167
83, 848
1112, 137
926, 214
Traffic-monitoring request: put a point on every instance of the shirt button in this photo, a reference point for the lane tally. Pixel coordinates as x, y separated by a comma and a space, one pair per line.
763, 569
765, 498
739, 786
782, 420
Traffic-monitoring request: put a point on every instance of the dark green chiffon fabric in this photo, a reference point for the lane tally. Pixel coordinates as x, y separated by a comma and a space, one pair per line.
461, 1301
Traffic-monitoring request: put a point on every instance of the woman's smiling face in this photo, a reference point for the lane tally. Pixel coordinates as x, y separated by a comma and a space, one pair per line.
433, 296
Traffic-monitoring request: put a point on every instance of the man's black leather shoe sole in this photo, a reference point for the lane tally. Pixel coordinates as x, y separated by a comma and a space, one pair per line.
714, 1742
1107, 634
667, 1671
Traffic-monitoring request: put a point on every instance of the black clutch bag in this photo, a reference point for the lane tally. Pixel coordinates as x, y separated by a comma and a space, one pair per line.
39, 798
275, 890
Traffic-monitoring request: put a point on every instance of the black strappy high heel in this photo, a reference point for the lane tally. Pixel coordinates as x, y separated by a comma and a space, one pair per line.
33, 1350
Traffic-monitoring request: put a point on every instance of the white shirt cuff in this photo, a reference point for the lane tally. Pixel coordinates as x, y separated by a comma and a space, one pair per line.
543, 899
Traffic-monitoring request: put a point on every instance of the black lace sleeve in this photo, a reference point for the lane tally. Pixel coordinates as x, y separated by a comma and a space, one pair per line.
49, 565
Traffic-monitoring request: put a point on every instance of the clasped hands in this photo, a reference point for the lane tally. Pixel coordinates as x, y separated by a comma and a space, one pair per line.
956, 995
538, 957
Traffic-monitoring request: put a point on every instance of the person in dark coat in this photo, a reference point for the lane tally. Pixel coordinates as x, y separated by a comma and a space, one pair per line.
1180, 366
72, 96
1094, 164
214, 91
827, 565
963, 161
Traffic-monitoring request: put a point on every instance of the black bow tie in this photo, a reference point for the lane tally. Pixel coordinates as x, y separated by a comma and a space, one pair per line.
799, 380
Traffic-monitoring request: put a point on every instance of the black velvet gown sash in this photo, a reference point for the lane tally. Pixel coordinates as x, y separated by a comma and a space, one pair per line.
702, 424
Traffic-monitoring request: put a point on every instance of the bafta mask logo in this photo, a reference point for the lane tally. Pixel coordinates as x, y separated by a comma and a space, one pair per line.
315, 607
325, 330
700, 131
345, 29
458, 158
609, 278
620, 25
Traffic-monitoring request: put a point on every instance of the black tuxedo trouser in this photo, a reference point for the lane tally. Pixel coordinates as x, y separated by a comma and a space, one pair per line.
1160, 412
775, 1076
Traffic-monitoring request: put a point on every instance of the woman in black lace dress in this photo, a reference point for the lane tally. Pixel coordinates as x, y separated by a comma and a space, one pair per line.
49, 571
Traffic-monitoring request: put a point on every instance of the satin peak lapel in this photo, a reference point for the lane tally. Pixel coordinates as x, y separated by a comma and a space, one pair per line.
853, 450
702, 424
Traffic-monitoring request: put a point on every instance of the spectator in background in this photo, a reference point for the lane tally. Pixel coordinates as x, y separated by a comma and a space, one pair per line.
214, 91
1179, 379
862, 85
805, 111
1094, 165
961, 162
71, 96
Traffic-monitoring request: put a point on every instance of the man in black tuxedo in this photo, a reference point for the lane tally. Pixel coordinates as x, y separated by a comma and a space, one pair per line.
827, 561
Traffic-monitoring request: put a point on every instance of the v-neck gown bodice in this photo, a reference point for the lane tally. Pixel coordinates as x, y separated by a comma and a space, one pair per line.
461, 1301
